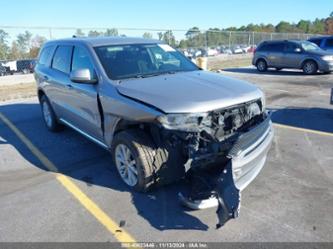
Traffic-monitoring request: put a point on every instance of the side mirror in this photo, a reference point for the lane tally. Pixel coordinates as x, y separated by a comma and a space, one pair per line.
83, 76
298, 50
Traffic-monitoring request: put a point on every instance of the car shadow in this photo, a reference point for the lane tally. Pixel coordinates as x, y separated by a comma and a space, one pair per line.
78, 158
273, 72
317, 119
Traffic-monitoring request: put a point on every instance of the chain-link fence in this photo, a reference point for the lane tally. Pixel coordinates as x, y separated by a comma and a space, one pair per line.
19, 46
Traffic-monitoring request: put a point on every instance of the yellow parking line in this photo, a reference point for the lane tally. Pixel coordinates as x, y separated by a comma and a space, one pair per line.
120, 234
322, 133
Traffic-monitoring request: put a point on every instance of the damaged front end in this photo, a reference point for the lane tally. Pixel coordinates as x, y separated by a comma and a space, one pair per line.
220, 152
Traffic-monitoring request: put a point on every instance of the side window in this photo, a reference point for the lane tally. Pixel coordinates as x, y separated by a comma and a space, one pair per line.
45, 55
275, 47
329, 43
81, 60
62, 59
316, 41
290, 47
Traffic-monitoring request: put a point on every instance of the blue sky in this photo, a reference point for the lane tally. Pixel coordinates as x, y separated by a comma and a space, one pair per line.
167, 14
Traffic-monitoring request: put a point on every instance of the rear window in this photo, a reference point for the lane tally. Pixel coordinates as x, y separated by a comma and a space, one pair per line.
62, 59
45, 55
329, 43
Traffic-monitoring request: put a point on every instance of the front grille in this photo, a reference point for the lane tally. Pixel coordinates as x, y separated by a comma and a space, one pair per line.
245, 140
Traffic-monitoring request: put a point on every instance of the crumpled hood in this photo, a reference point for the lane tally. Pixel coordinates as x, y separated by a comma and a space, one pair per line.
189, 92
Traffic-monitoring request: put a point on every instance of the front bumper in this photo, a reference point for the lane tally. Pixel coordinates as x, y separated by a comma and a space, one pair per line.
247, 157
249, 153
326, 66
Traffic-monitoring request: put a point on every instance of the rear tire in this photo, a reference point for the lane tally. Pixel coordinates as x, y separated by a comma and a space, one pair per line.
261, 65
310, 67
142, 160
49, 116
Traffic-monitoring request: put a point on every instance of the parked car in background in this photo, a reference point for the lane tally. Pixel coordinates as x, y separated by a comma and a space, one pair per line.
226, 51
20, 66
11, 67
212, 52
252, 49
324, 42
303, 55
131, 96
3, 70
25, 66
237, 50
245, 48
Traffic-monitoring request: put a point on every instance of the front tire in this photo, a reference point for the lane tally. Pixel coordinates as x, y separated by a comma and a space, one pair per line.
261, 65
133, 154
310, 67
49, 116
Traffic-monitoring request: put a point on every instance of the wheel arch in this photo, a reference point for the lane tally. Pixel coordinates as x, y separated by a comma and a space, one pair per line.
309, 59
260, 58
114, 125
40, 93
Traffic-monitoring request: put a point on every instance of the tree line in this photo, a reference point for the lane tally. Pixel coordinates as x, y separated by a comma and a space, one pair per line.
27, 46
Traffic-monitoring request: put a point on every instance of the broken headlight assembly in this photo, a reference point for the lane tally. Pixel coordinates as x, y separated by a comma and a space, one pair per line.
253, 110
190, 122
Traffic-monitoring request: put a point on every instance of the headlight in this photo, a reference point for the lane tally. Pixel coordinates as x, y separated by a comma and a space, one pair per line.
327, 58
263, 103
253, 110
185, 122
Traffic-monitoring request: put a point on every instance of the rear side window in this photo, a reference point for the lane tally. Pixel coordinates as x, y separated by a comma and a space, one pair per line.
272, 47
275, 47
329, 43
316, 41
62, 59
45, 55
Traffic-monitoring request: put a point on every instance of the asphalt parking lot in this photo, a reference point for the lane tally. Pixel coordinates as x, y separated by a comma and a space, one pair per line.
290, 200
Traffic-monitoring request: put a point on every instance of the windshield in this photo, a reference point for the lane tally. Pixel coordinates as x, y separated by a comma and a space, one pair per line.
142, 60
308, 46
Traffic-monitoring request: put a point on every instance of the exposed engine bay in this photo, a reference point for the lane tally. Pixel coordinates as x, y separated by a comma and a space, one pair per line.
205, 156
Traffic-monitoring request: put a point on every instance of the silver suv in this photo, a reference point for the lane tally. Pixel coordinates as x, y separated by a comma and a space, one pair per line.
303, 55
161, 116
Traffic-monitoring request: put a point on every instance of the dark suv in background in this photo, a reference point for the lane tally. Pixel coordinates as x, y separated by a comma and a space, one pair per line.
324, 42
303, 55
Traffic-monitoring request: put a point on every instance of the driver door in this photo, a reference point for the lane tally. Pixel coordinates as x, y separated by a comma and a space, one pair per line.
82, 97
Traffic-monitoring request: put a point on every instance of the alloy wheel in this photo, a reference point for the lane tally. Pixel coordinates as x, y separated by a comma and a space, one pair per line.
126, 165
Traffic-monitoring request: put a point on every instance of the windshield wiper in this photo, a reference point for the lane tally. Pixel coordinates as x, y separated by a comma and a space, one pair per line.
140, 76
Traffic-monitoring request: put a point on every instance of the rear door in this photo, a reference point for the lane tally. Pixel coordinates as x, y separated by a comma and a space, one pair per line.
275, 54
293, 55
58, 77
328, 45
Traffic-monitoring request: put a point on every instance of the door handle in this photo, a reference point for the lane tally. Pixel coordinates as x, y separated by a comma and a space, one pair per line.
45, 77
